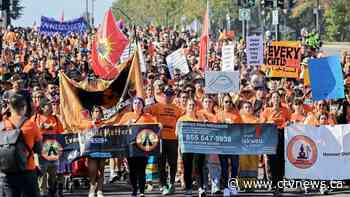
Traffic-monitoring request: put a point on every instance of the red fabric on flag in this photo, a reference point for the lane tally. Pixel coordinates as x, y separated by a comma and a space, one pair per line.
203, 43
107, 48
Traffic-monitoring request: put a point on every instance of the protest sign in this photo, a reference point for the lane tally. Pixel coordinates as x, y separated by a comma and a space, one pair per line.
281, 71
103, 142
177, 60
230, 139
326, 78
142, 59
50, 26
127, 52
283, 53
221, 82
228, 57
255, 50
317, 152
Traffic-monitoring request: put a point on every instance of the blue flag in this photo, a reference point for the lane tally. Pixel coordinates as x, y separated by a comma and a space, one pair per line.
326, 78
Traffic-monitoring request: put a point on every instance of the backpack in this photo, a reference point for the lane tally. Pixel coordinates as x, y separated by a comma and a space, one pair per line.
13, 149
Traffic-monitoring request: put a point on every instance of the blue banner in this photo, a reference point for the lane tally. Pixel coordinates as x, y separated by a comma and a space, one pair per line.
103, 142
227, 139
51, 26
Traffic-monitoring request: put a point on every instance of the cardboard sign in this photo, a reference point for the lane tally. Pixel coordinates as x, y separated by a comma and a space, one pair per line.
283, 53
255, 50
228, 57
177, 60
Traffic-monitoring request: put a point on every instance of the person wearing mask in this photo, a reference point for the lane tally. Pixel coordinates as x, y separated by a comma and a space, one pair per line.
228, 114
96, 165
278, 115
48, 124
137, 165
167, 114
23, 183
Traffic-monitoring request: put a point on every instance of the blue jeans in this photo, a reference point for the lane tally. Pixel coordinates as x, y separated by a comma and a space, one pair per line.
224, 167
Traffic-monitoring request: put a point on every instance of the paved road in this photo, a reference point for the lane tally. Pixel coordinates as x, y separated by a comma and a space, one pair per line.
335, 49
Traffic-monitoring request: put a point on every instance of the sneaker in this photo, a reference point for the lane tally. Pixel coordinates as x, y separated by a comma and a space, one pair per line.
142, 195
233, 191
171, 189
227, 192
149, 188
164, 190
92, 190
134, 194
201, 192
100, 194
91, 194
324, 191
188, 192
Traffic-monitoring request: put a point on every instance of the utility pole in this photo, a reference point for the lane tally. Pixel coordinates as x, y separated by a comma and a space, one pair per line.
93, 13
87, 11
318, 17
276, 14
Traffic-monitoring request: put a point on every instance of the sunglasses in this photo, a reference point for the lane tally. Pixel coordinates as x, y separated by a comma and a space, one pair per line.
228, 101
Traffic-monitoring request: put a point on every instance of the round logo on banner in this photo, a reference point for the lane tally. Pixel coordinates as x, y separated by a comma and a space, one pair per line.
147, 140
302, 152
52, 150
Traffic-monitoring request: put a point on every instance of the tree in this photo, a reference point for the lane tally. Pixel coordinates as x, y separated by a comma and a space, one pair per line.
337, 19
17, 10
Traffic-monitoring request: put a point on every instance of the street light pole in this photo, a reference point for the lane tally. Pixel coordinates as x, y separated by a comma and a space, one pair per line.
93, 13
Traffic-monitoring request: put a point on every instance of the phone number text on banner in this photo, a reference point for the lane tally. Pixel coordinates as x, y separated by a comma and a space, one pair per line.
231, 139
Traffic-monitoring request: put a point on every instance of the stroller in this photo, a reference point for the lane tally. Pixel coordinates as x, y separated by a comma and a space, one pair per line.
78, 178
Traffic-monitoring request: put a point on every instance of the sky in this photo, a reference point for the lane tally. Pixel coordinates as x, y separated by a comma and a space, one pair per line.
34, 9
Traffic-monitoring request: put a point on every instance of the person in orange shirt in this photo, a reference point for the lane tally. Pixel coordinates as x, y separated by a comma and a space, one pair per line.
48, 124
207, 114
167, 114
23, 183
228, 114
298, 116
248, 164
320, 107
189, 115
278, 115
137, 165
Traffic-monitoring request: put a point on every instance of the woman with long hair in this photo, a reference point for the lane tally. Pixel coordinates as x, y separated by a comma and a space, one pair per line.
96, 165
137, 165
279, 115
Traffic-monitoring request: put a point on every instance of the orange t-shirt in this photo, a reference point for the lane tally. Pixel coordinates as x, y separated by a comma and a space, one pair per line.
31, 135
167, 115
279, 118
133, 118
206, 116
248, 118
51, 121
228, 117
297, 117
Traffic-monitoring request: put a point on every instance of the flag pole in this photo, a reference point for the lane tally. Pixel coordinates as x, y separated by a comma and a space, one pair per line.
207, 47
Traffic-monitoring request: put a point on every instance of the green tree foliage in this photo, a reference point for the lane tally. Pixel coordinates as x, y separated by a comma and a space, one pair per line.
17, 10
170, 12
337, 20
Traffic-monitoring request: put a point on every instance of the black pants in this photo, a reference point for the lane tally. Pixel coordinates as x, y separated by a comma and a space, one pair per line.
276, 162
137, 173
24, 184
169, 154
188, 159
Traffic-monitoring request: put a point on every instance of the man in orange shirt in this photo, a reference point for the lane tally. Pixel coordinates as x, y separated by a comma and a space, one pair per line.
48, 124
23, 183
167, 114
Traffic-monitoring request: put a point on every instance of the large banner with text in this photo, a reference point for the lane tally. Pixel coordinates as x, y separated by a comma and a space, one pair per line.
103, 142
230, 139
317, 152
51, 26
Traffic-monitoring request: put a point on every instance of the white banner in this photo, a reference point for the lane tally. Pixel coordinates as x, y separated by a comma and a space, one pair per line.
221, 82
142, 59
319, 153
228, 57
255, 50
177, 60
